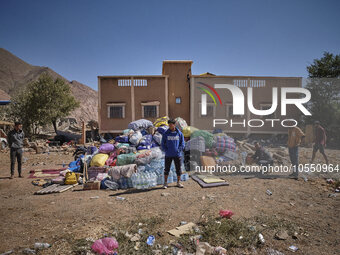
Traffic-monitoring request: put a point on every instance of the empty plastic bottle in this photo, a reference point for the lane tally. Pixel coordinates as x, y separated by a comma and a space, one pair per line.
41, 245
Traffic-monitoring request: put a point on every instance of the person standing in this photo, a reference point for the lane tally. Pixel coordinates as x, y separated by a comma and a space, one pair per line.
173, 145
319, 141
15, 142
295, 136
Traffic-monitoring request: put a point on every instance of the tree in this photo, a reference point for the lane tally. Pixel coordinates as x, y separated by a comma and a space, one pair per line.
324, 85
42, 102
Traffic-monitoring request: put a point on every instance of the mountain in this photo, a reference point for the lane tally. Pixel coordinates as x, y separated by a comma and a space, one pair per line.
15, 74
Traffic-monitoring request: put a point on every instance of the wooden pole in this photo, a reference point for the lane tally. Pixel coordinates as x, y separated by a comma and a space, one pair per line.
83, 133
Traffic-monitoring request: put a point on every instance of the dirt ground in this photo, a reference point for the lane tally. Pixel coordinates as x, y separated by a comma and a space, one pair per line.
60, 219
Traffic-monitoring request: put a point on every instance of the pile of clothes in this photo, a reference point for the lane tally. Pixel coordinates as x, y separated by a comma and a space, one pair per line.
134, 159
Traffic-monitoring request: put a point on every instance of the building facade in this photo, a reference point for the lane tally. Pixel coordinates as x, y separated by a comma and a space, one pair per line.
178, 93
123, 99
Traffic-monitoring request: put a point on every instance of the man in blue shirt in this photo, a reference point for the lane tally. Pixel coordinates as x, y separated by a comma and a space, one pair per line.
173, 145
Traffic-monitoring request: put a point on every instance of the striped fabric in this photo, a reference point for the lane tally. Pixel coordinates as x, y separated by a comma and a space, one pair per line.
224, 143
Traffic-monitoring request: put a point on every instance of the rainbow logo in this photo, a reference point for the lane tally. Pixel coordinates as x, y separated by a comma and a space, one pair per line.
209, 93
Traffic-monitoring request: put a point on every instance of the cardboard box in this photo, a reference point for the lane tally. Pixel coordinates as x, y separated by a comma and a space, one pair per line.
91, 185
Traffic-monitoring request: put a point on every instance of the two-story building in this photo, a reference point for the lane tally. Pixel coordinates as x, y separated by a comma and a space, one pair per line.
177, 93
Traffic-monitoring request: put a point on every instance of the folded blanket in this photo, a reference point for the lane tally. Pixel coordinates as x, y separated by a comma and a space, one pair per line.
117, 172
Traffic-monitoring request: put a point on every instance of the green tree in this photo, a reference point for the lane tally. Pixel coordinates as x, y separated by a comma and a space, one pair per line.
324, 85
43, 102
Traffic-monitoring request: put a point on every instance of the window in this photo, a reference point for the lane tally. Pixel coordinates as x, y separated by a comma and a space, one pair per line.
178, 100
266, 107
250, 83
210, 110
136, 83
140, 83
116, 111
124, 83
229, 110
150, 109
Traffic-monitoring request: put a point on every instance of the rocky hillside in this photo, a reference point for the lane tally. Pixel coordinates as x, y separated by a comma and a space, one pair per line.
16, 73
4, 96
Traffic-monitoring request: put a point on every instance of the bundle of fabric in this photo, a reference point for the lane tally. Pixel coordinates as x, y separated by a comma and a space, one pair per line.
111, 160
117, 172
162, 129
224, 143
208, 137
94, 171
122, 139
92, 150
58, 180
181, 123
143, 147
128, 131
120, 145
218, 131
196, 143
109, 184
144, 132
140, 124
136, 137
161, 121
145, 140
101, 176
125, 159
187, 131
151, 130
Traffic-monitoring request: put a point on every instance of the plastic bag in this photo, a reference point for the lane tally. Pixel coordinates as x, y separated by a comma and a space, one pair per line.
226, 214
125, 159
158, 138
99, 159
140, 124
161, 121
109, 184
146, 159
187, 131
156, 153
105, 246
70, 178
106, 148
180, 123
208, 137
135, 138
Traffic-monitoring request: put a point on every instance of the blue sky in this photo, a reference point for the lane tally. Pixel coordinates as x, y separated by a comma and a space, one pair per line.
85, 38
